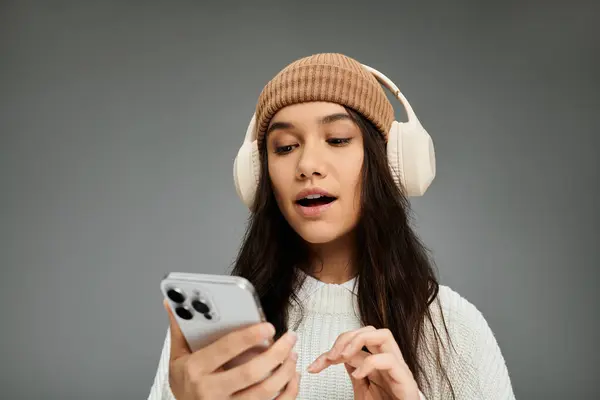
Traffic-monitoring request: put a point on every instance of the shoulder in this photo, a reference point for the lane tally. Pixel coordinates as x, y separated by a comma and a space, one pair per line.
457, 311
457, 308
457, 319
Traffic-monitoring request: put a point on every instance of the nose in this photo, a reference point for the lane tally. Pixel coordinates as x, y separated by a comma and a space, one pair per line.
311, 163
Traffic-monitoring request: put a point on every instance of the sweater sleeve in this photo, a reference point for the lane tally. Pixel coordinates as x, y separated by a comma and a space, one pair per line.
491, 380
480, 371
160, 389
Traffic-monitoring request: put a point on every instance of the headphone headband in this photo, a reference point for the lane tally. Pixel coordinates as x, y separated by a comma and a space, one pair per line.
391, 86
250, 131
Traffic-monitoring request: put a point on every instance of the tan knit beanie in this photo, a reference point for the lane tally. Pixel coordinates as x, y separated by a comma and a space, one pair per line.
330, 77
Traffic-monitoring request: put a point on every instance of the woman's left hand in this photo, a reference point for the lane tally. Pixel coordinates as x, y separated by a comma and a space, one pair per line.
380, 374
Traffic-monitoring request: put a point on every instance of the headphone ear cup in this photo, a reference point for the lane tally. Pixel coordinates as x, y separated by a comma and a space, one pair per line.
411, 157
394, 154
246, 172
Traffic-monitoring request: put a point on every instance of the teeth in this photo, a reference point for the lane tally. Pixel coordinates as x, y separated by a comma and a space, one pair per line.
313, 196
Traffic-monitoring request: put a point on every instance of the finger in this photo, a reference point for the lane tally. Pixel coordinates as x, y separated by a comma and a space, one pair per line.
378, 341
259, 367
274, 384
324, 360
386, 362
226, 348
355, 362
359, 386
179, 346
291, 389
344, 339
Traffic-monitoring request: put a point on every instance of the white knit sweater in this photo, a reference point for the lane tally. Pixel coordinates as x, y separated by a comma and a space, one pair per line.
475, 364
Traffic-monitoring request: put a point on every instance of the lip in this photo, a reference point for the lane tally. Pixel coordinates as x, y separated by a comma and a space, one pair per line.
314, 211
310, 191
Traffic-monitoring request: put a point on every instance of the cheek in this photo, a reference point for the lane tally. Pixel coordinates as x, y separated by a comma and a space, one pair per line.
354, 172
353, 178
277, 176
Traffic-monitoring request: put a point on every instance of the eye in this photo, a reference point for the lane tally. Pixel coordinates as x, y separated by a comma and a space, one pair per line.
284, 149
339, 141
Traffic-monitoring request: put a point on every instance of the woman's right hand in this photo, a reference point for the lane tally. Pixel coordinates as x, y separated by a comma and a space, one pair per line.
200, 375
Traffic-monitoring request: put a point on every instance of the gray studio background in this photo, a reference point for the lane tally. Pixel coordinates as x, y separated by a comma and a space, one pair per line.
119, 122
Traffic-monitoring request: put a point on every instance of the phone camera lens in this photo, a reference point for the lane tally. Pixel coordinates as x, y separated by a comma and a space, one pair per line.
208, 316
199, 306
184, 313
176, 295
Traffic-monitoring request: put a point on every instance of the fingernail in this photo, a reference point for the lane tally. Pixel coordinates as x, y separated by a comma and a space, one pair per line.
313, 367
294, 355
268, 330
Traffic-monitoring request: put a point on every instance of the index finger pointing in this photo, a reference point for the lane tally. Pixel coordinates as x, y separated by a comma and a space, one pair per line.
380, 340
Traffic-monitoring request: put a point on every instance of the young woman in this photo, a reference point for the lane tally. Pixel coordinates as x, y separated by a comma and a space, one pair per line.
352, 300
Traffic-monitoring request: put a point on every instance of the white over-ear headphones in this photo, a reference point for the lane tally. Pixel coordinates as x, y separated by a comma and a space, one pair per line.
410, 153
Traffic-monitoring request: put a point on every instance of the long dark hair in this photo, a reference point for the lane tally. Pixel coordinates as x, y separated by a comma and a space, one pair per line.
397, 282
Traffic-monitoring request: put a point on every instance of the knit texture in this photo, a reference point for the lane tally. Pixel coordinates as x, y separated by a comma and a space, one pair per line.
475, 367
330, 77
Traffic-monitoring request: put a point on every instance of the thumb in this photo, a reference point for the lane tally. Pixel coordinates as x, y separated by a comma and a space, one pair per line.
179, 346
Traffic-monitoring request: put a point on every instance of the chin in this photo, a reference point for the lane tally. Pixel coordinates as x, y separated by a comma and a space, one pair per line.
326, 229
318, 232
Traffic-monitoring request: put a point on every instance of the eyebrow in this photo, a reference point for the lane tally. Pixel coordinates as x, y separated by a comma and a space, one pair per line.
328, 119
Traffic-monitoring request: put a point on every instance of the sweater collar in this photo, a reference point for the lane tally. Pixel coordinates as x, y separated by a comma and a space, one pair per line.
310, 285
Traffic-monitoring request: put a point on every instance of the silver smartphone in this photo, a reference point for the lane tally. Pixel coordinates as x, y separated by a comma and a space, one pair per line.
209, 306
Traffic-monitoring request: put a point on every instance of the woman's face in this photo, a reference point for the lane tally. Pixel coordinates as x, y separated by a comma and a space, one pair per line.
315, 158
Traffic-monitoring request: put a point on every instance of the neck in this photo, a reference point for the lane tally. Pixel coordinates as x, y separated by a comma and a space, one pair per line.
333, 262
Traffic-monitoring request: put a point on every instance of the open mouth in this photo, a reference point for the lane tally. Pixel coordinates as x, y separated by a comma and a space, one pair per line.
315, 200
